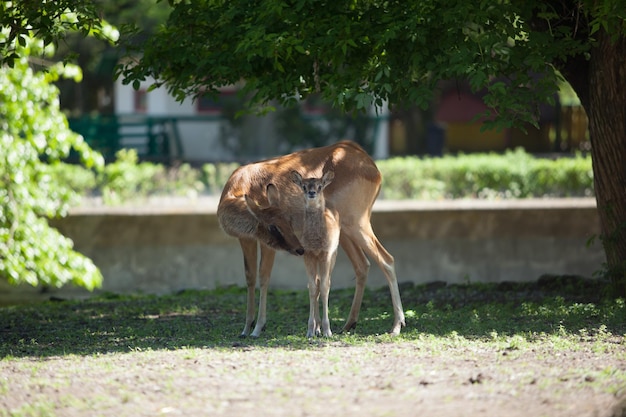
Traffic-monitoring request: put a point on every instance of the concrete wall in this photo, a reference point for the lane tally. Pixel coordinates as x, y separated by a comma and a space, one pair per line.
170, 247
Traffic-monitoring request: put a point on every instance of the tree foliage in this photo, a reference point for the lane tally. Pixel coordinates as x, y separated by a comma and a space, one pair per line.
356, 53
97, 56
49, 21
34, 135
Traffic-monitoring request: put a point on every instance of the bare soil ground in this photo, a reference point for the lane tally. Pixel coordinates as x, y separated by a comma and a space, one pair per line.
385, 379
121, 366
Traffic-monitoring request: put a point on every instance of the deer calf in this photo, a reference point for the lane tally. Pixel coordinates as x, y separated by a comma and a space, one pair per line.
320, 239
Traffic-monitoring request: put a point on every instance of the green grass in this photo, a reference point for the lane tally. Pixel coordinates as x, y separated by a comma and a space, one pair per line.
511, 315
558, 339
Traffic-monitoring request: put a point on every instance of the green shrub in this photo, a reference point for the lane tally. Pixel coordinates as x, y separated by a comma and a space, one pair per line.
564, 177
34, 138
408, 176
74, 177
182, 180
216, 175
127, 179
515, 174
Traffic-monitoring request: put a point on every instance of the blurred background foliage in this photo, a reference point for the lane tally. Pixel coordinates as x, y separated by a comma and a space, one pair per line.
514, 174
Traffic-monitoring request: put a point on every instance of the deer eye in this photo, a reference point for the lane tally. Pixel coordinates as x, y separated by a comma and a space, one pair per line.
275, 231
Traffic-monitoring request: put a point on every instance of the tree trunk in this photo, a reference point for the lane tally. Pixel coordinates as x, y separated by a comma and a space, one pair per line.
607, 127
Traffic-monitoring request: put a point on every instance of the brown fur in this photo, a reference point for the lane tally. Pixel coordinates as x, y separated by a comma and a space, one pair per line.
320, 238
351, 194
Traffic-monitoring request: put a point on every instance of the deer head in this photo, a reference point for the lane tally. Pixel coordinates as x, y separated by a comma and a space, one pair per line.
273, 228
313, 187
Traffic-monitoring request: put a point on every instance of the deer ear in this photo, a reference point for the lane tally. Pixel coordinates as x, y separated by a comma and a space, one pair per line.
296, 177
252, 206
273, 196
328, 178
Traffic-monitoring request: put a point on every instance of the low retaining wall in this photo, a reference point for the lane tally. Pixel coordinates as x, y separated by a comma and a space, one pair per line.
167, 248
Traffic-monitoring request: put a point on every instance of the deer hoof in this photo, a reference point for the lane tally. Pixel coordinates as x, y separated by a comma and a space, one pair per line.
348, 327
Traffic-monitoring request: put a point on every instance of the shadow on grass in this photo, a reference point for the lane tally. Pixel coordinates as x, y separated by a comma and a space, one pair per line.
214, 319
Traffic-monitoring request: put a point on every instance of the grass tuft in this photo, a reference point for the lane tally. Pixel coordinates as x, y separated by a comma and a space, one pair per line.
510, 315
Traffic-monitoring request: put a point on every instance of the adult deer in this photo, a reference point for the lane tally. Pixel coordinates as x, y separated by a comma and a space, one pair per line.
278, 215
320, 238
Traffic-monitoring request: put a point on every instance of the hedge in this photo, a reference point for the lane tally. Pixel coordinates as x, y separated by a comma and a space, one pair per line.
515, 174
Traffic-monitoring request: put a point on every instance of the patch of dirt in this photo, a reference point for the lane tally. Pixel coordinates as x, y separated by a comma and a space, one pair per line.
384, 380
334, 377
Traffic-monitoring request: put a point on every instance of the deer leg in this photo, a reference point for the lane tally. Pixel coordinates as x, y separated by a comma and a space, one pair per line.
313, 327
368, 242
316, 306
249, 249
265, 271
386, 263
326, 268
361, 269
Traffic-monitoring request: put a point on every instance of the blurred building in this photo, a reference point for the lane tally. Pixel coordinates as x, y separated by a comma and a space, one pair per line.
454, 123
210, 129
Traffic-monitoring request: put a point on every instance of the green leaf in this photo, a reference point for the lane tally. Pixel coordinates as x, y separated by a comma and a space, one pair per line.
363, 101
31, 252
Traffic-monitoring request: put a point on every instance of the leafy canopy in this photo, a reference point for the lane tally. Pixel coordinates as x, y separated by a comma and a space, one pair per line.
49, 21
359, 53
34, 135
